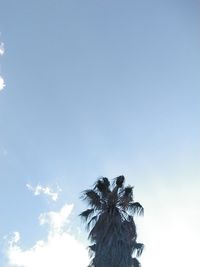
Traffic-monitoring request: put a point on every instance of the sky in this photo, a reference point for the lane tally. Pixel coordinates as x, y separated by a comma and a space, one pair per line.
98, 88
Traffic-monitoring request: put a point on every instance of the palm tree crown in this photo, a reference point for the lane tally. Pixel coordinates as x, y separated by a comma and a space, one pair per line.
110, 223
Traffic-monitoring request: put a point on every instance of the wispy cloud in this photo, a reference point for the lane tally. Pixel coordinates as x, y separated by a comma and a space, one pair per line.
3, 152
60, 248
44, 190
2, 83
2, 48
2, 51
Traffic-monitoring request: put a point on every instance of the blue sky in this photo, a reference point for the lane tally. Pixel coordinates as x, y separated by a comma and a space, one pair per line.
100, 88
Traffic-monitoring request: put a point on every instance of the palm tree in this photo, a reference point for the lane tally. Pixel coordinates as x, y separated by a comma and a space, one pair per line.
111, 225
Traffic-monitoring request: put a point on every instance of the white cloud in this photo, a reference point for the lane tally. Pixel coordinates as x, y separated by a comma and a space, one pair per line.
56, 220
2, 83
45, 190
15, 238
2, 49
59, 249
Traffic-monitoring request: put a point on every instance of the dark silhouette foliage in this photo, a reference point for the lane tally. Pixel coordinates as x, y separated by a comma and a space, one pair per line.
111, 225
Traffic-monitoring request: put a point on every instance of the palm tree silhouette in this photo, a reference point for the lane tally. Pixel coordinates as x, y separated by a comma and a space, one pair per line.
110, 223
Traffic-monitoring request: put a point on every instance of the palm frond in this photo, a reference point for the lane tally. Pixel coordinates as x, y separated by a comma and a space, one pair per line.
92, 198
106, 181
92, 249
103, 185
128, 191
135, 263
138, 248
99, 228
120, 180
136, 208
129, 229
118, 185
86, 214
92, 221
125, 197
